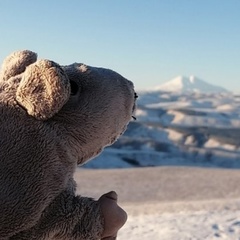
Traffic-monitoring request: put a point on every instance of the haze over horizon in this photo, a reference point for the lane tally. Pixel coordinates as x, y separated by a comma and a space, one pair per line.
148, 42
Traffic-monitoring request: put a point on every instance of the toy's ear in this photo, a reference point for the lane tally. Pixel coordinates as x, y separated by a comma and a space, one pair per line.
16, 63
43, 90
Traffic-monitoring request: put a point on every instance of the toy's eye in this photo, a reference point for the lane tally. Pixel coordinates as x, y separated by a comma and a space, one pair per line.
74, 88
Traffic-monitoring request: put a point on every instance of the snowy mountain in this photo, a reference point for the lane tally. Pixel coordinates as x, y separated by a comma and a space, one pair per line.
189, 84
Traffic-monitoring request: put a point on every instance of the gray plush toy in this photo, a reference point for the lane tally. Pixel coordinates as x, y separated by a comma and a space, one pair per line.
54, 118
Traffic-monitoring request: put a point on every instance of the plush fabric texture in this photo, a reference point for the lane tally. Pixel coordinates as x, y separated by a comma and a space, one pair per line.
43, 82
52, 119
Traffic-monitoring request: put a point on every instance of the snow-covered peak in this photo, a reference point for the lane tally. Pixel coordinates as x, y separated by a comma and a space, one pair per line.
189, 84
192, 79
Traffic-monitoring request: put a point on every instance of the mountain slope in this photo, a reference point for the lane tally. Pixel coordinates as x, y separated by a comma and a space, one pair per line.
189, 84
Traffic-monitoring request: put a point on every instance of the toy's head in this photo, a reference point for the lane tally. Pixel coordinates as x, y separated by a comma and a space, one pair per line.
87, 107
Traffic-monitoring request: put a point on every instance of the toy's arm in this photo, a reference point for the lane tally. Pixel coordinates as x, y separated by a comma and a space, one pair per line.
71, 217
68, 217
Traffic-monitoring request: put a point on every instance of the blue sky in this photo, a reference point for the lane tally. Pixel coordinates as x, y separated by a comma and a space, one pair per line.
148, 42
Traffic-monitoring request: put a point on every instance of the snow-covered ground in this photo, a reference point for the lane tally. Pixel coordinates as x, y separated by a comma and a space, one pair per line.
171, 203
183, 225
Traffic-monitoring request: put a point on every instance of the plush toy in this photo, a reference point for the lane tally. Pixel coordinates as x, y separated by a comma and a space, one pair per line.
54, 118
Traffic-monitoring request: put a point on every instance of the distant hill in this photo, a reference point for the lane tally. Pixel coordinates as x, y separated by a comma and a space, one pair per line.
189, 84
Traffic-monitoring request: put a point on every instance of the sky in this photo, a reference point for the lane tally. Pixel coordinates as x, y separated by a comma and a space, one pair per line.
147, 41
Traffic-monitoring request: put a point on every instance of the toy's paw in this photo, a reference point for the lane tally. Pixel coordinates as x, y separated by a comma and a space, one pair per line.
114, 216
